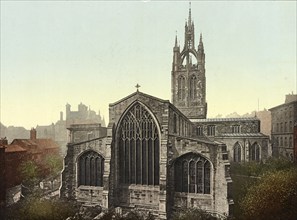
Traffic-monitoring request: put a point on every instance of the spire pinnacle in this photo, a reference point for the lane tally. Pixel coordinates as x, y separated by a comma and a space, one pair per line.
200, 37
175, 39
189, 20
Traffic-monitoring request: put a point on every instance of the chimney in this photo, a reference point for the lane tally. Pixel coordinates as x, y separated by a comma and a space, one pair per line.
33, 134
3, 141
61, 116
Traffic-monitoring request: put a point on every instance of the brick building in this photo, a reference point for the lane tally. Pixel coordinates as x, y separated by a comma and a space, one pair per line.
37, 148
284, 117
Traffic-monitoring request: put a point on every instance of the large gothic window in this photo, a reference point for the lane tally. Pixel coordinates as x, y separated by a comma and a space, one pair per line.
90, 169
254, 152
237, 153
193, 87
181, 88
192, 174
138, 142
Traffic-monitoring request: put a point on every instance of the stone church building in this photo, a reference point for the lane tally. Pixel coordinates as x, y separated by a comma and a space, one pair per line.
157, 156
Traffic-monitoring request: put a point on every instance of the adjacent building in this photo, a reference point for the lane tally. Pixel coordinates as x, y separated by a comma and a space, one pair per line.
284, 118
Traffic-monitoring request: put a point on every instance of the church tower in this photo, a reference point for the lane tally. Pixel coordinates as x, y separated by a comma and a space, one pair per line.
188, 83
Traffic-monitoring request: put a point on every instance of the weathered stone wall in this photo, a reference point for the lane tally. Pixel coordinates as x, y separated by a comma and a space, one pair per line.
245, 143
141, 196
217, 200
70, 188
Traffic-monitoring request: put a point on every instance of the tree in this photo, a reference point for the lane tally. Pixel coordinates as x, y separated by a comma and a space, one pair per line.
193, 214
30, 172
54, 164
274, 196
36, 208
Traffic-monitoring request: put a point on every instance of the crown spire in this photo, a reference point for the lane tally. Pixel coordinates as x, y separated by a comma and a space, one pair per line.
189, 20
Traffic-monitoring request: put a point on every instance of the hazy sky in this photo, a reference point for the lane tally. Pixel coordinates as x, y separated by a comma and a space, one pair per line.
95, 52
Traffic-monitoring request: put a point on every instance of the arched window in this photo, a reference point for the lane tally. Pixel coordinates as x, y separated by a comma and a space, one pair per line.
181, 88
237, 153
90, 169
138, 142
192, 174
193, 87
254, 152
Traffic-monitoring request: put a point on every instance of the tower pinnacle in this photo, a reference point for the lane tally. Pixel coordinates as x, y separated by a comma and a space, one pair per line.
189, 20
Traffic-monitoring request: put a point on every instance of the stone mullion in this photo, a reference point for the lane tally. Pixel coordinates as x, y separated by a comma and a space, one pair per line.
153, 155
129, 159
203, 177
196, 177
147, 157
140, 150
122, 160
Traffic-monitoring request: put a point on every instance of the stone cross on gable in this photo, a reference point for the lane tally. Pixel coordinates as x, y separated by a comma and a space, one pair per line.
137, 86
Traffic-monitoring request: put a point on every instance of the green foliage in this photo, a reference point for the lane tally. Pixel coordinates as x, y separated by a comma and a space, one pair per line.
250, 175
35, 208
53, 164
193, 214
132, 215
30, 172
258, 169
273, 197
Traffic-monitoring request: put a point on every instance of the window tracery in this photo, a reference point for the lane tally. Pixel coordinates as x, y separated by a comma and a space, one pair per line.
90, 169
138, 147
192, 174
181, 88
237, 153
254, 152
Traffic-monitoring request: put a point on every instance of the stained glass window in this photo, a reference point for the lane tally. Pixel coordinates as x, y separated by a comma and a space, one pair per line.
138, 143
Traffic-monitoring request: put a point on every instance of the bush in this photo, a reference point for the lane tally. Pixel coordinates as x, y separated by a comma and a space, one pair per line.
193, 214
273, 197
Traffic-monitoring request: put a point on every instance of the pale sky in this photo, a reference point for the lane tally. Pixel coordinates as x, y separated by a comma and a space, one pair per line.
95, 52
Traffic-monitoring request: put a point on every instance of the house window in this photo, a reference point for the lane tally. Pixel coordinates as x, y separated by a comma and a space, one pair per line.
90, 169
290, 142
211, 130
192, 174
237, 153
138, 141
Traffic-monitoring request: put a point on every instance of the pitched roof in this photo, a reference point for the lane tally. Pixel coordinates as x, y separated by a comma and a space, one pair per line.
225, 119
14, 148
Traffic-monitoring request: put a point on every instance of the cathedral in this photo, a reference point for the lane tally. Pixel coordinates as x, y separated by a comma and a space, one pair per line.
157, 156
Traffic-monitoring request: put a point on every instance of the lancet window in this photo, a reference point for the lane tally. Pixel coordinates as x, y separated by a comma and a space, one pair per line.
192, 174
90, 169
138, 142
254, 152
181, 88
237, 153
193, 87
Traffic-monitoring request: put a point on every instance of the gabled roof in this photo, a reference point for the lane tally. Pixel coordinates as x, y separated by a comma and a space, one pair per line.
137, 93
39, 143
